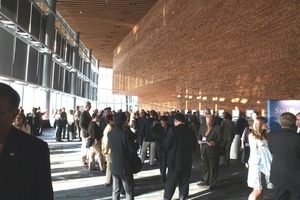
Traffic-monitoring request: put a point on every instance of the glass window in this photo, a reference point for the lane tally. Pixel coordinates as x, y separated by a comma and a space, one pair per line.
19, 89
41, 100
58, 41
35, 22
20, 62
40, 68
24, 13
56, 77
70, 60
9, 8
68, 82
68, 54
69, 103
32, 74
28, 102
6, 54
43, 29
84, 68
79, 86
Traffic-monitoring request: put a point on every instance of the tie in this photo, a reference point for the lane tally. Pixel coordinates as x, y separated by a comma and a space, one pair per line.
207, 131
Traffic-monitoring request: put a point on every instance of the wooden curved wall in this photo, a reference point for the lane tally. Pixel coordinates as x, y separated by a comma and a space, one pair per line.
215, 49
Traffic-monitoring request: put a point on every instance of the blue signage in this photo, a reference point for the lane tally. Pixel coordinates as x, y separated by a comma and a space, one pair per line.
276, 107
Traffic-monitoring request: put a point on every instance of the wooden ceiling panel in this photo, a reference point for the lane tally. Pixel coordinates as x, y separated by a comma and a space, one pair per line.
103, 24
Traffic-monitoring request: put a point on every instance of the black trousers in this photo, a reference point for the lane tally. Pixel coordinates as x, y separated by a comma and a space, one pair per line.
58, 133
162, 159
174, 177
226, 146
284, 194
210, 167
128, 185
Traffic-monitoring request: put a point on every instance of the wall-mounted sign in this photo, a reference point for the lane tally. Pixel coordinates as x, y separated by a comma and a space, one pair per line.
276, 107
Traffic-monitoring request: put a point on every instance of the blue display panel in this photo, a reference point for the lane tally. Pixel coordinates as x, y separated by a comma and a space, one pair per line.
276, 107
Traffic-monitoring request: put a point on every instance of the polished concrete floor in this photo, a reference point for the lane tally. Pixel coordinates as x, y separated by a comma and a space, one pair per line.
71, 180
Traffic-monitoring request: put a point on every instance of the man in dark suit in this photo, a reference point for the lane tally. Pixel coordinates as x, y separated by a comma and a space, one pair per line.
228, 133
84, 121
149, 138
285, 147
210, 139
33, 121
180, 143
24, 160
121, 147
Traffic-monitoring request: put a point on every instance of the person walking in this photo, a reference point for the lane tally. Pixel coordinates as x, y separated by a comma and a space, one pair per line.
96, 134
84, 121
260, 159
106, 150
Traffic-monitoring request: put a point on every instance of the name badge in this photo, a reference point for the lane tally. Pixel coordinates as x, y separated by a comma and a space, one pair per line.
203, 139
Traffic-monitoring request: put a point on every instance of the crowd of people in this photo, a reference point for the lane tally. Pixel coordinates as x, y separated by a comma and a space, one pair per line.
170, 138
111, 139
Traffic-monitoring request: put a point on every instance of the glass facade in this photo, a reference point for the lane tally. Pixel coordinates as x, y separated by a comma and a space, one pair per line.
74, 77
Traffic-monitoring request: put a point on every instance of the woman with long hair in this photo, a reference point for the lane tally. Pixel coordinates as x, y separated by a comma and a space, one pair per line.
260, 159
20, 123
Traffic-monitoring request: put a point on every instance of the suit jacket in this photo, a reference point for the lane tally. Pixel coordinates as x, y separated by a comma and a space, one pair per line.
95, 131
121, 147
180, 143
84, 121
227, 130
33, 120
147, 129
25, 168
214, 135
285, 169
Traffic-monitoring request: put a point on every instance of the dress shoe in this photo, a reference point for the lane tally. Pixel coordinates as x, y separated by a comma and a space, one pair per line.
212, 187
107, 184
202, 183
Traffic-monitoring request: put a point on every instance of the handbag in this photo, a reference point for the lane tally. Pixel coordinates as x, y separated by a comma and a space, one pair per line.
245, 154
89, 142
136, 163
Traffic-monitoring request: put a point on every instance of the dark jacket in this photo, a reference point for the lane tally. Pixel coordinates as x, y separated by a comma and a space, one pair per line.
180, 143
285, 169
160, 134
241, 124
227, 130
95, 131
121, 146
214, 135
84, 121
25, 168
149, 136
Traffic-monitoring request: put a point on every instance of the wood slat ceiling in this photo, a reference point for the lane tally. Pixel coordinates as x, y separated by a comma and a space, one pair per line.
103, 24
